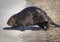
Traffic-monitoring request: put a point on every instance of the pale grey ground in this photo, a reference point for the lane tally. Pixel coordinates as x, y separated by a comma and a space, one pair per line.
25, 36
10, 7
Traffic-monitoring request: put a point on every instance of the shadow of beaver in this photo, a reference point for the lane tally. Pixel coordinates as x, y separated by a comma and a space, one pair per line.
26, 28
31, 16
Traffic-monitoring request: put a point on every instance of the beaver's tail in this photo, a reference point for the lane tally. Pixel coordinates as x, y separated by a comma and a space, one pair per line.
52, 23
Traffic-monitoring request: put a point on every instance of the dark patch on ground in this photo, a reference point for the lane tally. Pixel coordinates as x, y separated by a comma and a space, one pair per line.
20, 28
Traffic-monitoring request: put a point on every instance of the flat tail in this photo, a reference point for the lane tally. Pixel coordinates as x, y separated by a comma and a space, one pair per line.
52, 23
56, 25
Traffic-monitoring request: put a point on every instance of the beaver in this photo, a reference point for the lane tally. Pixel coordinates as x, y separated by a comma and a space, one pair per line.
31, 16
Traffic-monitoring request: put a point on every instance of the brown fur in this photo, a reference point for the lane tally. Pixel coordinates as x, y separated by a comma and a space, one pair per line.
30, 16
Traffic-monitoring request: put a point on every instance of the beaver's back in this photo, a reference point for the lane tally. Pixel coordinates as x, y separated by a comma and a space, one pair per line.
29, 15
